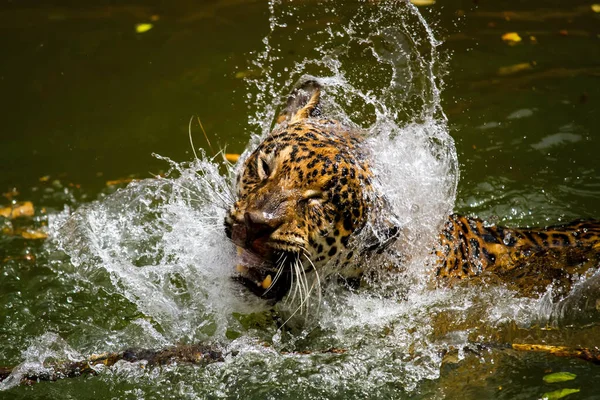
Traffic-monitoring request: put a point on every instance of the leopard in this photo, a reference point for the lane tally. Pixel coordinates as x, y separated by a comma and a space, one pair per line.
307, 207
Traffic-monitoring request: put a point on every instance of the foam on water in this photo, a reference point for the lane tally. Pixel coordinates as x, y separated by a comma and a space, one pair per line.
160, 242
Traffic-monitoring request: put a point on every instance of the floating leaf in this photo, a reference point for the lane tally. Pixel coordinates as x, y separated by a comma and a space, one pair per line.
513, 69
559, 377
252, 73
420, 3
511, 37
122, 181
24, 209
34, 235
596, 8
11, 194
141, 28
232, 158
559, 394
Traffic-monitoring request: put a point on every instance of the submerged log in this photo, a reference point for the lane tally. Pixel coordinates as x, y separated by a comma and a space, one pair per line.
190, 354
591, 355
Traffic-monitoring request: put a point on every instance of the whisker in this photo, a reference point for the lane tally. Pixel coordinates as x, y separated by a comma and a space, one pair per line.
205, 135
317, 281
218, 187
304, 304
298, 284
281, 255
291, 316
306, 300
190, 136
281, 262
196, 197
293, 284
304, 281
223, 200
221, 186
299, 308
278, 274
300, 281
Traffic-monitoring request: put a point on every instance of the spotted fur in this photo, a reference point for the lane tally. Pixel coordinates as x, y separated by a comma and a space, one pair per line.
302, 196
306, 192
527, 260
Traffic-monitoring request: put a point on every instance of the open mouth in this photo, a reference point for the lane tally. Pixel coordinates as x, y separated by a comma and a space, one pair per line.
266, 277
261, 268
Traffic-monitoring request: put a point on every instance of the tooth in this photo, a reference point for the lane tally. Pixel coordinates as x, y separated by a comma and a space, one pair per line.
241, 269
267, 282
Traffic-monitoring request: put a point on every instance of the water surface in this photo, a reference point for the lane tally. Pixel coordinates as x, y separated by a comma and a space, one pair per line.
88, 100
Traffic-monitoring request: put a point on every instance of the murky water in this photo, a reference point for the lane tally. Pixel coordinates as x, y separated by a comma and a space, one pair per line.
149, 265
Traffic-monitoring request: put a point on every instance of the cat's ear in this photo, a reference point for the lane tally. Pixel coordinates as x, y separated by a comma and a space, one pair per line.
380, 235
302, 103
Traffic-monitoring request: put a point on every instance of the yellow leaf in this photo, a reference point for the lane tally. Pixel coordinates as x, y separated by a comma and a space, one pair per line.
253, 73
596, 8
559, 377
11, 194
559, 394
33, 235
24, 209
122, 181
232, 158
513, 69
420, 3
511, 37
141, 28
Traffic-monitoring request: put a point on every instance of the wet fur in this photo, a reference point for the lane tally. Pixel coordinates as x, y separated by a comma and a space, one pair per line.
306, 192
527, 260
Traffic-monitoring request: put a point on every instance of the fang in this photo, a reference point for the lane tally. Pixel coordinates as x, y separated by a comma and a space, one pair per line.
267, 282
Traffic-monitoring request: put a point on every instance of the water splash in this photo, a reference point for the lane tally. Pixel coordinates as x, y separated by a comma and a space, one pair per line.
46, 349
379, 62
160, 243
381, 72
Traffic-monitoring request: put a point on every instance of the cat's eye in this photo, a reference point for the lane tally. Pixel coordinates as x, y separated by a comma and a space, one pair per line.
263, 167
312, 194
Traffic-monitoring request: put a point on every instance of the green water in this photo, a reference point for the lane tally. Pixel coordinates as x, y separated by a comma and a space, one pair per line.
86, 99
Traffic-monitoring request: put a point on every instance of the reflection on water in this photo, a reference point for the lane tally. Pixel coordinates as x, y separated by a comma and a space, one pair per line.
149, 265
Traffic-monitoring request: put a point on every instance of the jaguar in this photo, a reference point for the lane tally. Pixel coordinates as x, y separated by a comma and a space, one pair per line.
307, 207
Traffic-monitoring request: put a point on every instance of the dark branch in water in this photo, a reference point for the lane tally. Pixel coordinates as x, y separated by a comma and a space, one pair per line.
200, 354
191, 354
591, 355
